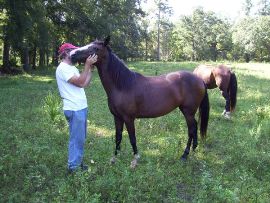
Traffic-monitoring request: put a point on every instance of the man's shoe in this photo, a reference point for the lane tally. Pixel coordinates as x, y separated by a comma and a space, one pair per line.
84, 167
71, 171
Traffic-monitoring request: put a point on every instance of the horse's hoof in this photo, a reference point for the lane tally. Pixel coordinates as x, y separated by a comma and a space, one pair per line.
134, 163
223, 113
183, 158
113, 160
137, 156
227, 115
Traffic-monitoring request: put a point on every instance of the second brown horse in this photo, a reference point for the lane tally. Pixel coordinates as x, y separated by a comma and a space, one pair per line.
222, 77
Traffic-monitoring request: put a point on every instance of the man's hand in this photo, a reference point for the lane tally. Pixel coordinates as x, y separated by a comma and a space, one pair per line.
85, 77
90, 61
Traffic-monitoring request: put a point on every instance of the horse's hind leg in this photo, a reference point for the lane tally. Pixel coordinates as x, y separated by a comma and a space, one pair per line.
192, 131
119, 123
223, 84
132, 137
226, 96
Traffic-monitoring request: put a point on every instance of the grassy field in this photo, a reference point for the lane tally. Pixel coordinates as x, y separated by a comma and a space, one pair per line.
233, 165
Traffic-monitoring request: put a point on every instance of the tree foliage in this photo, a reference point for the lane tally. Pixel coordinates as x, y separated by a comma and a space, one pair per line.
32, 30
264, 7
42, 25
202, 36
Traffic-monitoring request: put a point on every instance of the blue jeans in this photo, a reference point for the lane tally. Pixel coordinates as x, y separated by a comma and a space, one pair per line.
77, 121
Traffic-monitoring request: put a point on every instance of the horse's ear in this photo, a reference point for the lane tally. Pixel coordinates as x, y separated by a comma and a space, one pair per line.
107, 40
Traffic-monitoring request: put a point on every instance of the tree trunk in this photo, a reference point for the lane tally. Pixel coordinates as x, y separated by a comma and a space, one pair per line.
34, 56
41, 58
247, 57
47, 58
6, 50
193, 51
158, 39
146, 49
55, 56
25, 59
213, 49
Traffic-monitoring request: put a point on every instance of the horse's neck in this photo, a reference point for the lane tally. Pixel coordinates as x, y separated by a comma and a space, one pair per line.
105, 77
115, 75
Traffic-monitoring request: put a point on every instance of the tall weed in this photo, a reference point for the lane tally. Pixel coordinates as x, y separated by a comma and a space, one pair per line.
52, 107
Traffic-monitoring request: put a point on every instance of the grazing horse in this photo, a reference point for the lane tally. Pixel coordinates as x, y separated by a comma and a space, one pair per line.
222, 77
132, 95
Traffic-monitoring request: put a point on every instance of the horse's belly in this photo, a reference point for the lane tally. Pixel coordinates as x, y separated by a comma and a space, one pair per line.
156, 110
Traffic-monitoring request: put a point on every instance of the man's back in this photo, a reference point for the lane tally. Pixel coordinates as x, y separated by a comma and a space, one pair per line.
74, 97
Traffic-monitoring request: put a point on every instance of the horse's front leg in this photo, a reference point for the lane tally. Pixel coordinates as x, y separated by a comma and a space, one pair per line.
132, 137
119, 123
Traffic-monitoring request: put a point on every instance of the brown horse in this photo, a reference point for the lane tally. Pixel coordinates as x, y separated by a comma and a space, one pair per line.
222, 77
132, 95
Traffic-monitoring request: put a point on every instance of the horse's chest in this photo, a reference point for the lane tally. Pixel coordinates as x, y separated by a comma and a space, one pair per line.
121, 103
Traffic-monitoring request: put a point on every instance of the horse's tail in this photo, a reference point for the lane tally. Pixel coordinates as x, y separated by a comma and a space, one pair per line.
233, 91
204, 114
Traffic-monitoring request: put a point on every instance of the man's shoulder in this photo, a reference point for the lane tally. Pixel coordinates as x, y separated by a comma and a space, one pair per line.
65, 67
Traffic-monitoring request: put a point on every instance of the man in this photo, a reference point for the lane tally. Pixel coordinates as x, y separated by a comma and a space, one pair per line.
70, 84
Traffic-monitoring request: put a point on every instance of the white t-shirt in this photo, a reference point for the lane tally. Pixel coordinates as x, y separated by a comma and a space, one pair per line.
73, 97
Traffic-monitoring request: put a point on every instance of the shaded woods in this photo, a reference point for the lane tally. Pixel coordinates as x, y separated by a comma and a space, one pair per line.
31, 32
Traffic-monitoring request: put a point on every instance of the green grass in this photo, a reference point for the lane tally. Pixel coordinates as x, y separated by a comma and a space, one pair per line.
231, 166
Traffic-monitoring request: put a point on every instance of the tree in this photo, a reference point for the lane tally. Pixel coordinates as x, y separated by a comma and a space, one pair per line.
5, 37
247, 6
262, 38
218, 35
34, 29
21, 29
203, 35
264, 7
163, 11
6, 42
146, 37
243, 37
180, 49
105, 17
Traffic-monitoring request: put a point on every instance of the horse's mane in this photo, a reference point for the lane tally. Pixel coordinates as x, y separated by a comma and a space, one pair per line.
122, 77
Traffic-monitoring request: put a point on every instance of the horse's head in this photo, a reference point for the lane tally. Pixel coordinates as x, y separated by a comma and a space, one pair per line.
97, 47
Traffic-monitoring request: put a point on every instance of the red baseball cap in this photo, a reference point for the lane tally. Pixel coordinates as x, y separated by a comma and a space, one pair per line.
65, 46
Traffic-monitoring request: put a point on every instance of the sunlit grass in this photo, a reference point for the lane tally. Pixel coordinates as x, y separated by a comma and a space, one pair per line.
261, 70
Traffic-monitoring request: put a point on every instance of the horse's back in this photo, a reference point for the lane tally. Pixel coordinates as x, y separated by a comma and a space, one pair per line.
158, 95
185, 81
222, 70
